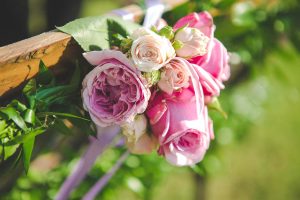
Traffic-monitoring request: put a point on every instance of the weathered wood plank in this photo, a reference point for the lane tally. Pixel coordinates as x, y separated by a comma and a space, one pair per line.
19, 61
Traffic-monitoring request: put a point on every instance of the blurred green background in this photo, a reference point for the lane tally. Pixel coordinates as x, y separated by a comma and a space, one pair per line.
256, 151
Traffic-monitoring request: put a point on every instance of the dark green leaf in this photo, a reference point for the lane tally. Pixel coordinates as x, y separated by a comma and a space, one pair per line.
11, 161
44, 76
68, 115
27, 147
116, 32
92, 33
55, 94
49, 95
60, 126
75, 80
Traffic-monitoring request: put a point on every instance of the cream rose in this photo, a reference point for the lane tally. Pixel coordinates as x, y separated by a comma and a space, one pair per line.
150, 51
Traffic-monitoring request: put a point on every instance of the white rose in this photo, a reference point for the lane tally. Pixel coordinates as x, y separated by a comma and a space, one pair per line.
135, 129
137, 139
194, 42
150, 51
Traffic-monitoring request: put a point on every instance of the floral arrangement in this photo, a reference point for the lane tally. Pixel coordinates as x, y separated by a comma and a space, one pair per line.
157, 84
154, 85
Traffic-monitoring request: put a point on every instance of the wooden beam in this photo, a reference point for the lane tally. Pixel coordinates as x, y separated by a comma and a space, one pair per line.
19, 61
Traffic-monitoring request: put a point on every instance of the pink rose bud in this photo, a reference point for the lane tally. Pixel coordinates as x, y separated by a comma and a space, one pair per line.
114, 92
182, 127
194, 42
174, 75
202, 21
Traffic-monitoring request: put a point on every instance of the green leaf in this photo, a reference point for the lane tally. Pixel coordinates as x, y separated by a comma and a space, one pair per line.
29, 116
215, 105
116, 32
62, 115
12, 114
27, 148
167, 31
60, 126
3, 125
23, 138
92, 33
18, 105
75, 80
50, 95
30, 87
11, 161
45, 75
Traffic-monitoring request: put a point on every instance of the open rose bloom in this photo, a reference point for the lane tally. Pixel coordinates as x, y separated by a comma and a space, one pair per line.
157, 85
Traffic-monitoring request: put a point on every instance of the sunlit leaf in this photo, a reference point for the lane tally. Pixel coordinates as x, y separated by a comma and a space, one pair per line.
29, 116
18, 105
12, 114
27, 148
92, 33
23, 138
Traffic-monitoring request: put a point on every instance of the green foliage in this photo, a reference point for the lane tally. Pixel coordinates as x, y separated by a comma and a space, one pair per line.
21, 122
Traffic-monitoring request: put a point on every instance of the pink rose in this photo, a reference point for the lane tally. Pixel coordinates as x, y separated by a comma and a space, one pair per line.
181, 126
114, 91
174, 75
215, 61
203, 21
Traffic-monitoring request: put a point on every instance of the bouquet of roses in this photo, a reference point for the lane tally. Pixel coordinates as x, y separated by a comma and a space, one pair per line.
156, 85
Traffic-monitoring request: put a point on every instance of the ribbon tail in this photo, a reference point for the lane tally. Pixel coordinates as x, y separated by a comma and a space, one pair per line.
92, 193
95, 148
